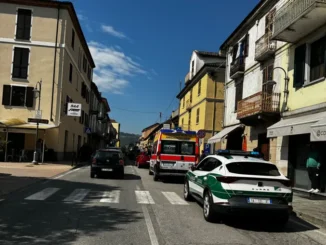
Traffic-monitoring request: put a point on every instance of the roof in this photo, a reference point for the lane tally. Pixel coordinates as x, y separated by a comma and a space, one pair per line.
106, 104
96, 91
205, 53
198, 75
151, 126
245, 20
63, 5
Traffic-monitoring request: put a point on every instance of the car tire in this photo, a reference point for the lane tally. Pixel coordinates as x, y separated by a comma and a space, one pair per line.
208, 211
92, 175
122, 174
186, 194
155, 175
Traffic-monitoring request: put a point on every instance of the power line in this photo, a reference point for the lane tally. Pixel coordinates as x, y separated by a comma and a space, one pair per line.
134, 111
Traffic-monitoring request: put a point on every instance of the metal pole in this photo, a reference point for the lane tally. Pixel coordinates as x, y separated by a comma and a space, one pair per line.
6, 149
35, 156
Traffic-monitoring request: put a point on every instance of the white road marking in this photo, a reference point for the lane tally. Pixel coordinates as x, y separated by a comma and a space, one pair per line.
150, 228
60, 176
144, 197
111, 197
77, 195
174, 198
43, 194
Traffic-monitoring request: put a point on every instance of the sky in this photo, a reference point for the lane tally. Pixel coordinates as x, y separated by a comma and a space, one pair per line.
142, 49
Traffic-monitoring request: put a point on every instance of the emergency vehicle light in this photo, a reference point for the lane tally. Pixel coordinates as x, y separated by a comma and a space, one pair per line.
238, 153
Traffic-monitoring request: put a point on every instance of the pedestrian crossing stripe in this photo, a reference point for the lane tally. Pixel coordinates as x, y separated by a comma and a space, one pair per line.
113, 196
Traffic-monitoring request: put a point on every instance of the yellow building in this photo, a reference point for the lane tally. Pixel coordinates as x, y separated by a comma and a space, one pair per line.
43, 40
202, 98
116, 125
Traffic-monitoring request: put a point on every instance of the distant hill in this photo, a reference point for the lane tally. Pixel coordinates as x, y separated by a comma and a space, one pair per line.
126, 138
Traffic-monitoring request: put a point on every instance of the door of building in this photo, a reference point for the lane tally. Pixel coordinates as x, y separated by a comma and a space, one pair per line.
263, 145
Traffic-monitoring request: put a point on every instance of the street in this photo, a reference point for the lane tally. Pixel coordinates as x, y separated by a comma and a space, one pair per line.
75, 209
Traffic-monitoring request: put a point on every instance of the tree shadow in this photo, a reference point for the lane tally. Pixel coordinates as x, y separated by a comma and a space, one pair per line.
54, 221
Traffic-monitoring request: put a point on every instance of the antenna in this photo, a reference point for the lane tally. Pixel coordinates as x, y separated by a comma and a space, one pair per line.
160, 116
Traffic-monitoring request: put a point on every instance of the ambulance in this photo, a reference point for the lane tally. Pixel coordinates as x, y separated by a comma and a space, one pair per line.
174, 152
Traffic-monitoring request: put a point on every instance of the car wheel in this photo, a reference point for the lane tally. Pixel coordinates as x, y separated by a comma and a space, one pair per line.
155, 177
208, 211
92, 175
186, 194
121, 174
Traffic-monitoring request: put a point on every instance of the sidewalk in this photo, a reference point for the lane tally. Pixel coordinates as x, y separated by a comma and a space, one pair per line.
310, 209
15, 176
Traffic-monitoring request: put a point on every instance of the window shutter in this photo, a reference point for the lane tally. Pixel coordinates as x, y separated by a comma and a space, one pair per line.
27, 26
6, 94
299, 66
16, 63
24, 63
29, 97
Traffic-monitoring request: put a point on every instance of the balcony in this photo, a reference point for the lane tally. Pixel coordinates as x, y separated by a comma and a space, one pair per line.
257, 107
297, 18
265, 47
188, 105
237, 68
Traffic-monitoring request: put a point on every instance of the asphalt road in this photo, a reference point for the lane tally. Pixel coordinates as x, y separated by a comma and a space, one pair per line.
75, 209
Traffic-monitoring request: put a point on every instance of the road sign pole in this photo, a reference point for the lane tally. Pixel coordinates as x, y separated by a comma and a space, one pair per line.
35, 156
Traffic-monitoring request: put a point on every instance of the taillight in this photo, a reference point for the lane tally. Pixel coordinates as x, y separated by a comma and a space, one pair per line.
121, 162
225, 179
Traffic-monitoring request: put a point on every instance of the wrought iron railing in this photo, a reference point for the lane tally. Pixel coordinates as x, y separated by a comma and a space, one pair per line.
290, 11
237, 65
258, 103
264, 45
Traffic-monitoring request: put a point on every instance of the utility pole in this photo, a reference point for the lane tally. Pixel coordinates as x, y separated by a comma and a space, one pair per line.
160, 117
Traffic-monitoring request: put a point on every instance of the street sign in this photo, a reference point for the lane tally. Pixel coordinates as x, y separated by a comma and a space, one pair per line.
207, 148
38, 114
201, 134
166, 126
74, 109
88, 130
37, 120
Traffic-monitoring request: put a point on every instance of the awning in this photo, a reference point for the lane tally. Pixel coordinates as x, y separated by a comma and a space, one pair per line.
11, 122
318, 131
33, 126
295, 125
220, 135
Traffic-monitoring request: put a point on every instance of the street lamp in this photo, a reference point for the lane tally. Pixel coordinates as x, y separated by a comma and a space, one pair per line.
37, 94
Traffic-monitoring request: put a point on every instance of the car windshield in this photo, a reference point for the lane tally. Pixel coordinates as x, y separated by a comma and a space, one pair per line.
253, 168
178, 147
108, 155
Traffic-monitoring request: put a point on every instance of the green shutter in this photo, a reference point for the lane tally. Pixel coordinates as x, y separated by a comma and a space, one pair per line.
299, 66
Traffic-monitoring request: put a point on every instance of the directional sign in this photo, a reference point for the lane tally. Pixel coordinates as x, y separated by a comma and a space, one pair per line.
201, 134
74, 109
88, 130
37, 120
207, 148
38, 114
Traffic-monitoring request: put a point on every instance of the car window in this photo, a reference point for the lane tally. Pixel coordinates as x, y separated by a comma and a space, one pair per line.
208, 164
253, 168
169, 147
108, 154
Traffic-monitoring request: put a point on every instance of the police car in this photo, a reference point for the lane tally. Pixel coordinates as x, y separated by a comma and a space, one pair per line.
238, 182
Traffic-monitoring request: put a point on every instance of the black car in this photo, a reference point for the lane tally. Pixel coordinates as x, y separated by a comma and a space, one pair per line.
108, 161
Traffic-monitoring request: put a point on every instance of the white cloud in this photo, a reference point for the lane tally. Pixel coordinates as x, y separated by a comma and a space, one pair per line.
113, 68
85, 22
110, 30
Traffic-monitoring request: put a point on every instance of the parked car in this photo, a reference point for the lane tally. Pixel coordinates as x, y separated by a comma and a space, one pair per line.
240, 183
142, 160
108, 161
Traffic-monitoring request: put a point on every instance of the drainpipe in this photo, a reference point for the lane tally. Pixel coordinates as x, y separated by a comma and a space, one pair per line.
214, 115
55, 63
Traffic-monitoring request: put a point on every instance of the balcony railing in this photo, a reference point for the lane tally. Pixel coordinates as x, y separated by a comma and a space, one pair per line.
265, 47
260, 102
188, 104
237, 67
294, 10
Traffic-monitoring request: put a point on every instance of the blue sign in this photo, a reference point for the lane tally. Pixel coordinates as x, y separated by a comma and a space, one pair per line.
207, 148
178, 128
88, 130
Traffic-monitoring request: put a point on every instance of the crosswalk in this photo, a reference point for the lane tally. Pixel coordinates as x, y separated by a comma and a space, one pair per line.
112, 196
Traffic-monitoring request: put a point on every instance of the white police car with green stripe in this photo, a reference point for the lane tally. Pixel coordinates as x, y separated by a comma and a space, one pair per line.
238, 182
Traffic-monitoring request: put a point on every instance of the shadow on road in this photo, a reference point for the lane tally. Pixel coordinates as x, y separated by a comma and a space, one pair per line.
54, 221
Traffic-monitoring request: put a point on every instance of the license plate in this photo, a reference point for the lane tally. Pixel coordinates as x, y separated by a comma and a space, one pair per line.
168, 164
259, 200
107, 169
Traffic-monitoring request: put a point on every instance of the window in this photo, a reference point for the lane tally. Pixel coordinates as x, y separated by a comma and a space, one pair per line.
84, 63
23, 26
299, 66
83, 90
80, 59
238, 93
77, 83
189, 119
82, 117
190, 95
73, 39
199, 87
183, 102
89, 73
70, 73
86, 119
17, 96
178, 147
187, 148
317, 59
169, 147
208, 164
197, 116
192, 68
253, 168
20, 63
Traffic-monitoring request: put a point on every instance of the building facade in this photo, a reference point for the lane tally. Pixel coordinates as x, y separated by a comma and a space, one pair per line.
202, 98
43, 40
116, 126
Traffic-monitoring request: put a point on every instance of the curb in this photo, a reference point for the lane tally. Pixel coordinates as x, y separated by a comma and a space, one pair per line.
2, 196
